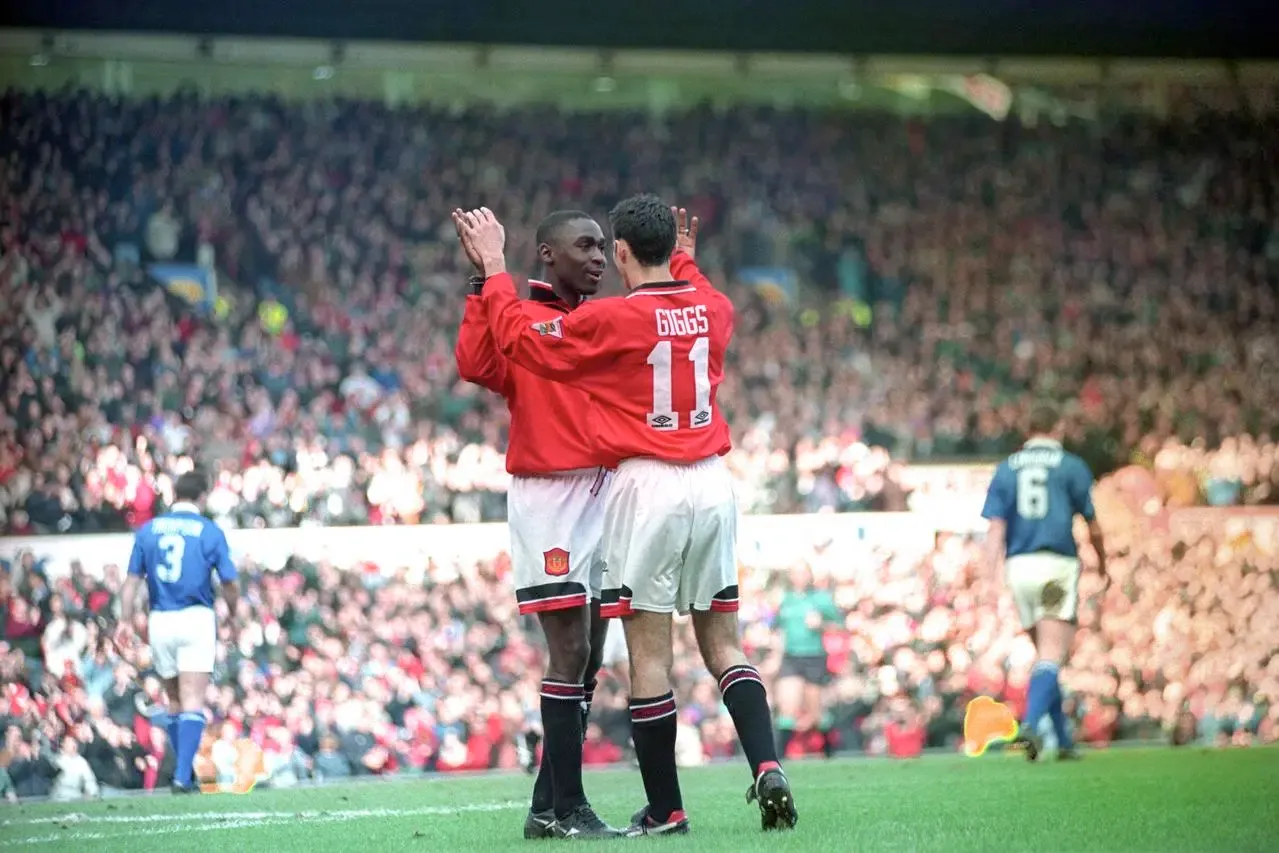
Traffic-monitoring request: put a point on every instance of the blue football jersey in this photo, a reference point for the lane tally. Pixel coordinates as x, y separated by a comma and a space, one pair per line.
178, 553
1038, 491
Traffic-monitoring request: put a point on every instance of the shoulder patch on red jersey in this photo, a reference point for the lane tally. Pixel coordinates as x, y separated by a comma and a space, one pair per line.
553, 328
555, 562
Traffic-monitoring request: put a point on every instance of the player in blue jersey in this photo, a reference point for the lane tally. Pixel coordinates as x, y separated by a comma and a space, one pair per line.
176, 556
1031, 505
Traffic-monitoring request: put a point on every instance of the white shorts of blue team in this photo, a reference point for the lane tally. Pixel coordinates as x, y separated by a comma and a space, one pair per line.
1044, 586
670, 538
183, 640
557, 523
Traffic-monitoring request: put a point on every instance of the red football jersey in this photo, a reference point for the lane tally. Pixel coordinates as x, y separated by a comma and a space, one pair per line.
651, 361
542, 440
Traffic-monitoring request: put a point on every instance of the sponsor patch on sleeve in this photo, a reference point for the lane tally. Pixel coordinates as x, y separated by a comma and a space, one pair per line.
553, 328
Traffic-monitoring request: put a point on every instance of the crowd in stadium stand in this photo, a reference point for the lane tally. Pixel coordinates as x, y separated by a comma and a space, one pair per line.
334, 671
1126, 268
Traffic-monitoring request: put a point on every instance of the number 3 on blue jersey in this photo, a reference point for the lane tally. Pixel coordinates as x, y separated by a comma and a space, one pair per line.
178, 554
172, 547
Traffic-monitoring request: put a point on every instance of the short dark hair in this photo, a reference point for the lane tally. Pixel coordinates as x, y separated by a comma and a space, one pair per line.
1044, 418
191, 486
647, 225
548, 228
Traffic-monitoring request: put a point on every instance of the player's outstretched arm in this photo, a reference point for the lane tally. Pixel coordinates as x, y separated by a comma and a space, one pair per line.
478, 358
566, 349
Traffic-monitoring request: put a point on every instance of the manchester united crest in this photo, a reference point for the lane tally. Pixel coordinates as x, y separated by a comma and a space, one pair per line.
556, 561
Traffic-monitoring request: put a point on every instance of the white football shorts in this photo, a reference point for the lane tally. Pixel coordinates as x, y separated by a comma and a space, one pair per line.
182, 640
1044, 586
556, 522
670, 538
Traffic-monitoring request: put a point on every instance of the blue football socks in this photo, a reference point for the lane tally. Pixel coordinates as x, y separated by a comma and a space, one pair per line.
190, 730
1058, 716
1040, 695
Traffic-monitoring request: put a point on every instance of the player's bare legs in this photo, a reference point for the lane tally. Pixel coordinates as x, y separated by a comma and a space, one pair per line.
595, 660
191, 690
719, 641
1053, 640
653, 722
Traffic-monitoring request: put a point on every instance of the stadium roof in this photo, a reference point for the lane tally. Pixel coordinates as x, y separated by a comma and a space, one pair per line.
1187, 28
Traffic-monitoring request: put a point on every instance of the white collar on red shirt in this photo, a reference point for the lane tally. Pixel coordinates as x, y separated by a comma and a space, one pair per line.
661, 288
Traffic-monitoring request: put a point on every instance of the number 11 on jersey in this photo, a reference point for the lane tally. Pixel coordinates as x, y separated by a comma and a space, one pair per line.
663, 416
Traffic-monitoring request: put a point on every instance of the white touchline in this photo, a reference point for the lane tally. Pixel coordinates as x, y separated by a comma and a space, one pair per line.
217, 821
222, 817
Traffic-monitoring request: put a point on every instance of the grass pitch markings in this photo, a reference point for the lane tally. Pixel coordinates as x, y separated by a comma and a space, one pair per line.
219, 821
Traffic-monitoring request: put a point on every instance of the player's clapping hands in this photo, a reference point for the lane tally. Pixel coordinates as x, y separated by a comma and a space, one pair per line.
463, 237
483, 237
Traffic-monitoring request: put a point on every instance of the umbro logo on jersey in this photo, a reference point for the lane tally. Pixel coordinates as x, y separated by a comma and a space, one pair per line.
554, 328
662, 422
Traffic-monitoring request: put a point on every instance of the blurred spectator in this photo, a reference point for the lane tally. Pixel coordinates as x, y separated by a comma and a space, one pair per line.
224, 755
31, 770
905, 736
7, 790
1125, 269
597, 750
75, 779
159, 761
114, 756
64, 642
329, 762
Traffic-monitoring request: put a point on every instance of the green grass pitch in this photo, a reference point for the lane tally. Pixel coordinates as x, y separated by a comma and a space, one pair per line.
1156, 800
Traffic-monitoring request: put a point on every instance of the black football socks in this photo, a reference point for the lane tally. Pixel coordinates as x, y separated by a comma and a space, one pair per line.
562, 744
653, 727
747, 704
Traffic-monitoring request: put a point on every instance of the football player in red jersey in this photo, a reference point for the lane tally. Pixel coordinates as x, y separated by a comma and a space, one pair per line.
555, 512
652, 361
